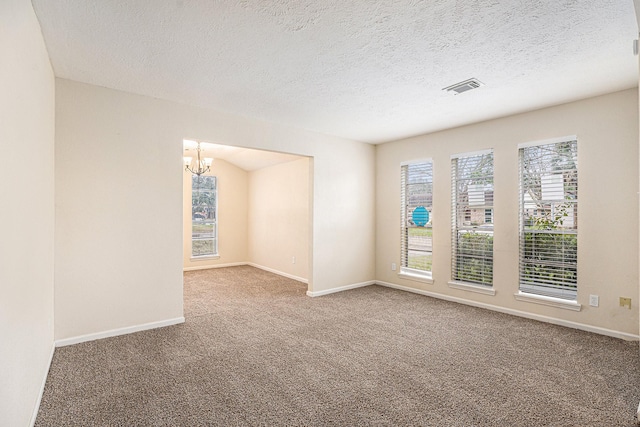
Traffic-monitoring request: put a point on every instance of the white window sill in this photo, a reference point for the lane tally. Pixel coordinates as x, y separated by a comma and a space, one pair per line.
472, 288
204, 257
416, 277
550, 301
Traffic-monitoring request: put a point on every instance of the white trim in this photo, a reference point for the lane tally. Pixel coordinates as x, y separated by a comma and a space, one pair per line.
472, 288
119, 331
204, 257
340, 288
550, 301
414, 161
471, 154
638, 412
36, 409
206, 267
424, 278
548, 141
280, 273
547, 319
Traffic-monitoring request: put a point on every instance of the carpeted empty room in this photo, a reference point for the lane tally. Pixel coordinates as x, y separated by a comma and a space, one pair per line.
255, 350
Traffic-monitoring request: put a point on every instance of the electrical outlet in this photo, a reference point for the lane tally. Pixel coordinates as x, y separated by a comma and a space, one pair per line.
594, 300
293, 260
393, 266
625, 302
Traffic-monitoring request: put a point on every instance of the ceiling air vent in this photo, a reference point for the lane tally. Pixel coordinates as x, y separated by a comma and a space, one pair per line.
464, 86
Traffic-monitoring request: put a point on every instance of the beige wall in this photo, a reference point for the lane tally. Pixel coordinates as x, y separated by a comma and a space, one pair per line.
607, 130
26, 217
278, 222
119, 208
232, 216
118, 199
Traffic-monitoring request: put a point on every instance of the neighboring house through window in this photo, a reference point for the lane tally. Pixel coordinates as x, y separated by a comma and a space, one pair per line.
416, 209
549, 219
204, 216
472, 218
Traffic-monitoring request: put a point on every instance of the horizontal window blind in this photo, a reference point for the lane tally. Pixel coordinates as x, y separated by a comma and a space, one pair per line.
549, 219
472, 218
416, 208
204, 226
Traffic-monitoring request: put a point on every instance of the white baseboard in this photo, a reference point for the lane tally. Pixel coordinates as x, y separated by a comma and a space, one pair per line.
206, 267
42, 385
340, 289
547, 319
116, 332
280, 273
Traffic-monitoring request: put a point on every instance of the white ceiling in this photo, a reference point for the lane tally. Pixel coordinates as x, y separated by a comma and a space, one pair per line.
364, 70
244, 158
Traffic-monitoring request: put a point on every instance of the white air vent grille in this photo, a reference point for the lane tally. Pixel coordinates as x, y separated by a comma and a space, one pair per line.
464, 86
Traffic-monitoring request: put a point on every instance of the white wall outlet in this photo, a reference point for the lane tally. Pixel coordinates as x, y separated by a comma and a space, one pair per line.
293, 260
393, 266
594, 300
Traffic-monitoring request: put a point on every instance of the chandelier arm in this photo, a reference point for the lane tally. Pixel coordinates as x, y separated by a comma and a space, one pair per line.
202, 166
199, 171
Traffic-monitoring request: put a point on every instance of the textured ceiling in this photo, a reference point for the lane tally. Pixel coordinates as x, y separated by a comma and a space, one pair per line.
364, 70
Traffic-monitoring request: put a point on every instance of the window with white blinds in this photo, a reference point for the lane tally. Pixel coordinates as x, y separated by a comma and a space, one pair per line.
472, 218
416, 206
204, 216
549, 219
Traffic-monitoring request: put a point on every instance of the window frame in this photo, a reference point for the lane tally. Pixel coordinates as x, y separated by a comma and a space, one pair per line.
565, 293
461, 223
214, 221
406, 271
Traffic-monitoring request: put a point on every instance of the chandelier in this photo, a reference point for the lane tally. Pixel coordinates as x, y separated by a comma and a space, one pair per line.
202, 165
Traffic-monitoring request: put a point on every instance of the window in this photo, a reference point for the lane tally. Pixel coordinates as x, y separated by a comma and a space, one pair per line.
488, 216
417, 201
549, 219
204, 216
472, 218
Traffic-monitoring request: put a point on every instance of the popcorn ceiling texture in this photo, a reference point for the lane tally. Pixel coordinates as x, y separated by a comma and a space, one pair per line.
365, 70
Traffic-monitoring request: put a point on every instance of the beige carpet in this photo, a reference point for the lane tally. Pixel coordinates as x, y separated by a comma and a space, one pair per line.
256, 351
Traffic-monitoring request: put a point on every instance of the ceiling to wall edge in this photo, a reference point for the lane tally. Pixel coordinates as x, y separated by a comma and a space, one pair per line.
247, 159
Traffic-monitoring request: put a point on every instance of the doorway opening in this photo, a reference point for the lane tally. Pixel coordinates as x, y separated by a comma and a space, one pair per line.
251, 207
